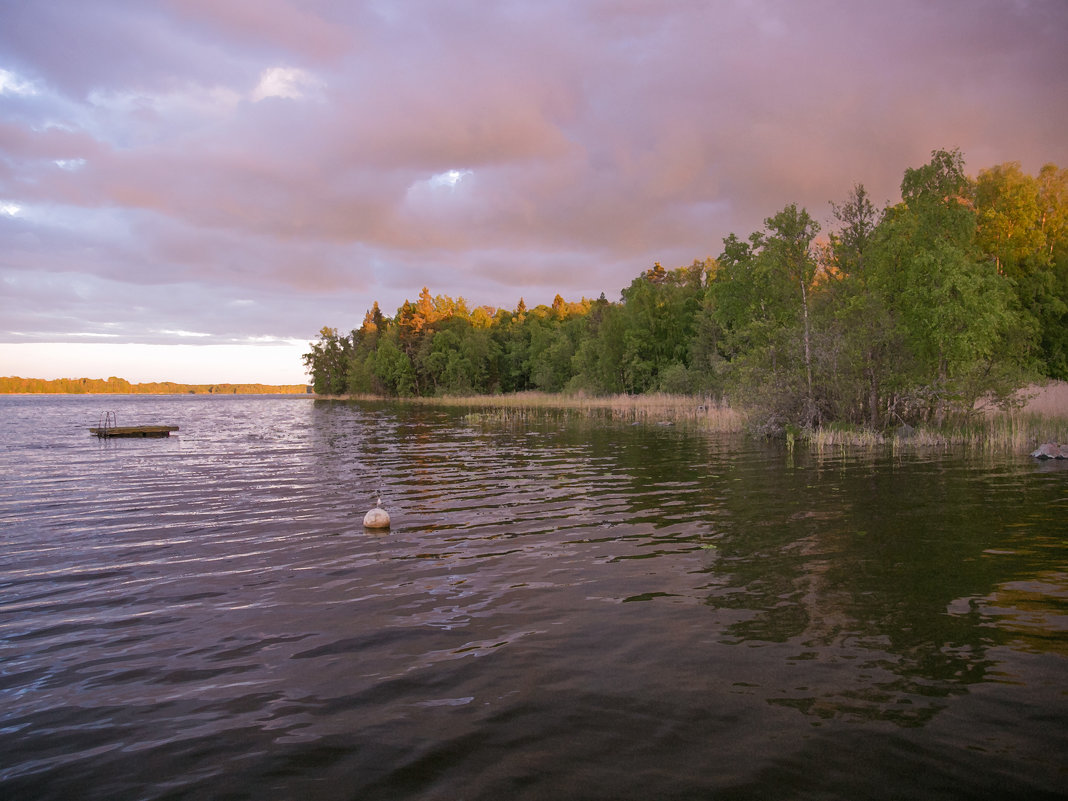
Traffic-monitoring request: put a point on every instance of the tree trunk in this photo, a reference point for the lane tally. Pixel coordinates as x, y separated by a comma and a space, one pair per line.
810, 401
873, 395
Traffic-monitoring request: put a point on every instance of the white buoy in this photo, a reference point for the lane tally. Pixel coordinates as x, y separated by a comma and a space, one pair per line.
377, 517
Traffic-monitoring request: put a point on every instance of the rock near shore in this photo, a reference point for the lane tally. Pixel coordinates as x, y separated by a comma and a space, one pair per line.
1051, 450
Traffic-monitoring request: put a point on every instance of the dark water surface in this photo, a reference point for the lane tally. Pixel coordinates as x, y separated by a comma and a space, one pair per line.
562, 609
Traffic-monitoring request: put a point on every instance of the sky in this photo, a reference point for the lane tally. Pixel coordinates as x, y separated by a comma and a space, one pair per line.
191, 189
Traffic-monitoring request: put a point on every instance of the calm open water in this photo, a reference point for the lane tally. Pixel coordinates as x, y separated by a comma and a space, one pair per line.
563, 609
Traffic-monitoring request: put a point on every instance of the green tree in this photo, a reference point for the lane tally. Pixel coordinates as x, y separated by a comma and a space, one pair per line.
760, 301
659, 315
327, 362
707, 357
361, 367
955, 313
1007, 220
513, 346
865, 342
1053, 201
1019, 219
392, 367
552, 357
788, 249
456, 358
858, 218
598, 361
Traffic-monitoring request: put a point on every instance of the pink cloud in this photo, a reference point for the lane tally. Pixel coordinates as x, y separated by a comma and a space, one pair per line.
291, 146
288, 26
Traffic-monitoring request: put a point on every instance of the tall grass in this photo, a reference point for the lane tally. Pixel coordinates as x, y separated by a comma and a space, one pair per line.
1004, 432
660, 408
1041, 416
1044, 418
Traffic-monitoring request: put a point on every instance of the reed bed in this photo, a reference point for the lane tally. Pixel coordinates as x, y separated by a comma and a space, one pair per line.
1042, 417
660, 408
1007, 432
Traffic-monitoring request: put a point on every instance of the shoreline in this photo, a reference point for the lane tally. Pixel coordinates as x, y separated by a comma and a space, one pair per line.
1042, 417
156, 394
19, 385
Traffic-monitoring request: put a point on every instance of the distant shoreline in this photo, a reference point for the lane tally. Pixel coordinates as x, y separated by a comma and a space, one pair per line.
293, 395
16, 385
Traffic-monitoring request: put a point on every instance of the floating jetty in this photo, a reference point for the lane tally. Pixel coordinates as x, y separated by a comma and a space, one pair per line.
108, 428
133, 431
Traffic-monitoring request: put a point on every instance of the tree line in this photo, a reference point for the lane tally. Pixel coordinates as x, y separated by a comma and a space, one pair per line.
903, 314
10, 385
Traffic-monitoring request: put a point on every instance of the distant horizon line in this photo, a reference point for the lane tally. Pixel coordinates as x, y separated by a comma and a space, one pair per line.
13, 385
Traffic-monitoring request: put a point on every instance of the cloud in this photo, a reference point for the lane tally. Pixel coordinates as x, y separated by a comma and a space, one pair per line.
12, 84
279, 25
286, 82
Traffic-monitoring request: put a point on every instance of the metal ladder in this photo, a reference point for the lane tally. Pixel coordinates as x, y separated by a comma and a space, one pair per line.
108, 422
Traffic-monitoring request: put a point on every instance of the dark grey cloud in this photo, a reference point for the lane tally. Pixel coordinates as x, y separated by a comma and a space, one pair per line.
257, 169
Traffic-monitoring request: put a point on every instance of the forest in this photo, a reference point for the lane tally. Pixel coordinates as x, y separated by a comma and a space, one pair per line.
907, 314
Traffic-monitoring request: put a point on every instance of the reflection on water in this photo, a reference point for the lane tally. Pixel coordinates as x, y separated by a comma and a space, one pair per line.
563, 607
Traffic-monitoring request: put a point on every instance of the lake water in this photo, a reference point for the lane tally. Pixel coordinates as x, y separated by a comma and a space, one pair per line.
562, 609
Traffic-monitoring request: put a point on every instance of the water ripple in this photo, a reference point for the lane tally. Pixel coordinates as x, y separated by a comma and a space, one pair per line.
557, 605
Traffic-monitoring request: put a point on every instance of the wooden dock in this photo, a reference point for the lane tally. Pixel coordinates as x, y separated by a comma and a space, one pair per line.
133, 431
